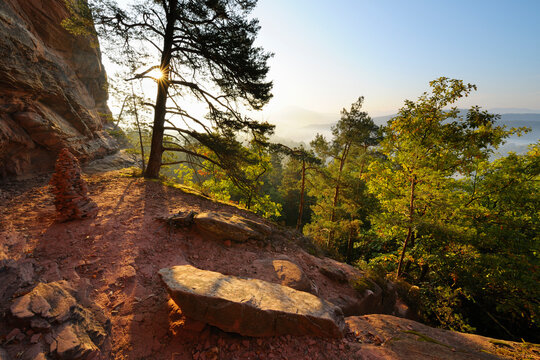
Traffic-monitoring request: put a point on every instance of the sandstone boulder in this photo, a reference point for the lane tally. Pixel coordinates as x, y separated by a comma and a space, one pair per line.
77, 331
334, 273
282, 271
181, 219
250, 307
370, 302
231, 227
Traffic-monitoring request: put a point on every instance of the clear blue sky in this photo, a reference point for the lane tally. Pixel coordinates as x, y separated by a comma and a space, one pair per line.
327, 53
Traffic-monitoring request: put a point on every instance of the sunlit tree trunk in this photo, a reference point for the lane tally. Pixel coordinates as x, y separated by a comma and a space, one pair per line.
409, 228
336, 192
156, 149
136, 112
302, 190
350, 242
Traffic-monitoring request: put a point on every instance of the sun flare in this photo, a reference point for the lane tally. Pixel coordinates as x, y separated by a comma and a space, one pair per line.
157, 74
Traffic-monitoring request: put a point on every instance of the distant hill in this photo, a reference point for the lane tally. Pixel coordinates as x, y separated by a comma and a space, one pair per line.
514, 143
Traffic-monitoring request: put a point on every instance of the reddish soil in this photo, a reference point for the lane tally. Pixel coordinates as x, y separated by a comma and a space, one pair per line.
116, 256
113, 261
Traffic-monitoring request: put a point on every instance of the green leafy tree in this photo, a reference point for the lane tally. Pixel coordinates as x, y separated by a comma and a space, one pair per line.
425, 147
300, 161
345, 159
203, 49
503, 214
214, 181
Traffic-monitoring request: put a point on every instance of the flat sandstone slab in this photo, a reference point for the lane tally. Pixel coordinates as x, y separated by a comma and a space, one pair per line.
250, 307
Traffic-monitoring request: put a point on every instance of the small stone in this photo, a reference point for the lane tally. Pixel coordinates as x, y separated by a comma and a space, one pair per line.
231, 227
35, 338
181, 219
34, 352
14, 334
4, 355
53, 345
48, 338
40, 306
21, 307
70, 345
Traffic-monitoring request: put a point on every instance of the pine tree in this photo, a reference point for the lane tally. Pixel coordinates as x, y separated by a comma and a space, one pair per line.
199, 48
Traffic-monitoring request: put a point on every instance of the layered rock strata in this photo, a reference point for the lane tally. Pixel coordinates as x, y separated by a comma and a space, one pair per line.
52, 90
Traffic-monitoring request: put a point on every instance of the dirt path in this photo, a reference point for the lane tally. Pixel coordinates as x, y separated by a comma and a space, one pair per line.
116, 256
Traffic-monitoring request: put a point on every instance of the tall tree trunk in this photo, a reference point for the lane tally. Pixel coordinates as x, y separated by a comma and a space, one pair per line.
301, 207
156, 149
136, 111
349, 247
410, 227
423, 274
121, 112
336, 192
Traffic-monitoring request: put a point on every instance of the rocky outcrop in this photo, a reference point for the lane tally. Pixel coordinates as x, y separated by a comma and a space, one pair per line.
52, 90
59, 324
231, 227
119, 160
389, 337
250, 307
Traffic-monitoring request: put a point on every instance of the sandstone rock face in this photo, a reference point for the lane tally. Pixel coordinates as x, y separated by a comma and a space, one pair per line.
70, 190
369, 303
116, 161
333, 273
250, 307
389, 337
231, 227
52, 90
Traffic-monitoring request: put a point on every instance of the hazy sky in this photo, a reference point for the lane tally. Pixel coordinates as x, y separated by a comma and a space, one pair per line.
327, 53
